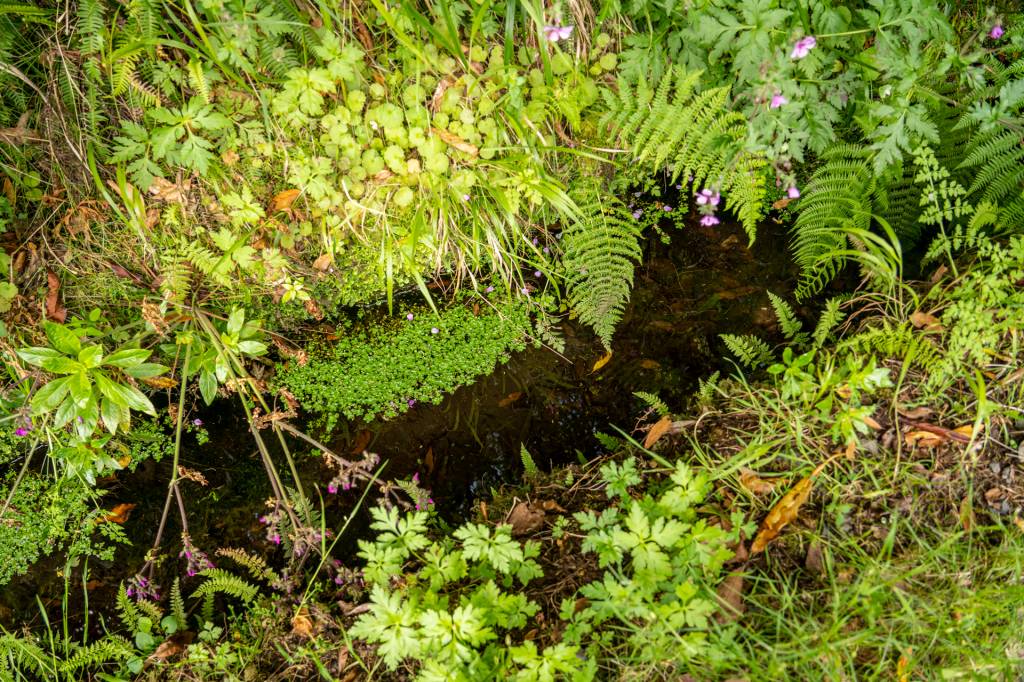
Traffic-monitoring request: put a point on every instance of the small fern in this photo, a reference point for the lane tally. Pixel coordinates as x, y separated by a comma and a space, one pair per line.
694, 134
177, 603
601, 250
219, 581
255, 565
529, 466
653, 402
110, 648
789, 323
127, 610
750, 350
830, 317
706, 389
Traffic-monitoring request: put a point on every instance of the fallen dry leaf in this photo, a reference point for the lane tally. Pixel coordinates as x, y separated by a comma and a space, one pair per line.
54, 310
172, 646
362, 440
916, 413
323, 262
647, 363
924, 439
455, 141
165, 190
660, 428
525, 519
119, 514
510, 398
786, 509
302, 624
967, 519
1019, 522
730, 598
781, 203
754, 483
815, 559
925, 321
602, 361
428, 460
902, 665
283, 200
552, 506
872, 423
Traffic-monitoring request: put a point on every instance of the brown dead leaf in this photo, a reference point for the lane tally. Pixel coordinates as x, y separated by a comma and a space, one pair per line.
923, 439
754, 483
967, 430
428, 460
283, 200
730, 598
323, 262
525, 518
915, 413
119, 514
1019, 522
902, 665
160, 382
815, 559
602, 361
786, 509
172, 646
510, 398
925, 321
124, 461
456, 141
165, 190
552, 506
967, 519
313, 308
54, 310
230, 157
302, 624
442, 86
660, 428
483, 510
362, 440
872, 423
781, 203
647, 363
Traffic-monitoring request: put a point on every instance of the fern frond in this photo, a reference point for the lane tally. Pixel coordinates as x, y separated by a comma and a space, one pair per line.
601, 250
653, 402
110, 648
219, 581
178, 603
830, 317
529, 466
255, 565
694, 134
127, 609
706, 388
750, 350
788, 321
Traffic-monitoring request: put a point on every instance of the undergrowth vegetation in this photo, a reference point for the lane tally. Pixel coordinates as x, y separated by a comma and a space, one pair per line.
321, 215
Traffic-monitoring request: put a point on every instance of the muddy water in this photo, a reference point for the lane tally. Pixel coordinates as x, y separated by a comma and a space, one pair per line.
705, 282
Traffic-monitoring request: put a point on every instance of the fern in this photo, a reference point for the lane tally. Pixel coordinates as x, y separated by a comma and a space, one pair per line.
178, 603
529, 466
127, 609
106, 650
91, 25
706, 389
219, 581
750, 350
830, 317
255, 565
19, 655
601, 250
841, 194
694, 134
788, 322
900, 342
653, 402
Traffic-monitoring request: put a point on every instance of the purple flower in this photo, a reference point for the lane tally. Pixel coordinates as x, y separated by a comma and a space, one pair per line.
465, 197
547, 250
488, 290
554, 32
778, 99
538, 273
21, 431
637, 213
331, 488
435, 330
416, 478
793, 192
346, 486
264, 520
666, 208
536, 241
803, 47
197, 422
709, 220
276, 539
409, 317
524, 291
708, 197
411, 402
996, 33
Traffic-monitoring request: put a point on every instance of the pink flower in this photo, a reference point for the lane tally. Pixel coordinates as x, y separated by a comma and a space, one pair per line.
411, 402
666, 208
778, 99
21, 431
709, 220
538, 274
409, 317
554, 32
435, 330
793, 192
803, 47
416, 478
276, 539
465, 197
637, 213
707, 196
331, 488
488, 290
996, 33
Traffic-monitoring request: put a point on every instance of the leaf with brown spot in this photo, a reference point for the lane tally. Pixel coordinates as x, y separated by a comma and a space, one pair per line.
925, 321
510, 398
119, 514
283, 200
455, 141
525, 519
754, 483
54, 310
323, 262
602, 361
660, 428
730, 598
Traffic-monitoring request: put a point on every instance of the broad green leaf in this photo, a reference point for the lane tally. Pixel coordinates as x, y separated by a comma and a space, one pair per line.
208, 386
90, 356
236, 320
37, 354
126, 357
62, 338
62, 365
145, 370
252, 347
50, 395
